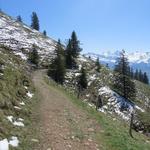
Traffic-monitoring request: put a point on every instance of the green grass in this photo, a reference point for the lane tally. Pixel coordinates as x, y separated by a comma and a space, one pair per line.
113, 135
12, 92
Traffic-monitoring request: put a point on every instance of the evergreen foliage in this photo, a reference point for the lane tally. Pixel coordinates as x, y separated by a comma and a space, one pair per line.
44, 33
35, 21
139, 75
33, 56
57, 68
123, 83
19, 19
72, 51
82, 82
98, 66
70, 60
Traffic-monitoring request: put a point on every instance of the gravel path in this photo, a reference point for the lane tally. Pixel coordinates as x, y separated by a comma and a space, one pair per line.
63, 125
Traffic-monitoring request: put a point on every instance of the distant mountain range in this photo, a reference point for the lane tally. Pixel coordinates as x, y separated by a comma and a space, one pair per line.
137, 60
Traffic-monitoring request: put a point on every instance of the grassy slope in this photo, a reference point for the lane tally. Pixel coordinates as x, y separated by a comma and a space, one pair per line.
12, 92
114, 134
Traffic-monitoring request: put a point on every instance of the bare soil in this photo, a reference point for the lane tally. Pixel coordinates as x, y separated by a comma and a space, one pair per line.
62, 124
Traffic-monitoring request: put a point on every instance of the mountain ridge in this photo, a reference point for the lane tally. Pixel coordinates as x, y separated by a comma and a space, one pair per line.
137, 60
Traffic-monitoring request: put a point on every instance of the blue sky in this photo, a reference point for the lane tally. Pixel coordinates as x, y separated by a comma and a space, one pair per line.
101, 25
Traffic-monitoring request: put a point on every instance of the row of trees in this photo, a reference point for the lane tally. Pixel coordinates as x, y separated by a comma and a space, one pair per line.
67, 59
139, 75
34, 22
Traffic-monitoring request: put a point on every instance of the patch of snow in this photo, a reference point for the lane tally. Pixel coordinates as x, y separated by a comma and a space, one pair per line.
22, 103
16, 107
4, 145
29, 94
10, 118
23, 56
26, 87
137, 107
116, 103
77, 74
16, 122
14, 141
80, 66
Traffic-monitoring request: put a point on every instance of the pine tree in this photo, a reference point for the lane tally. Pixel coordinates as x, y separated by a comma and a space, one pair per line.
98, 66
44, 33
70, 60
140, 78
136, 75
75, 43
145, 78
57, 68
131, 73
33, 56
82, 82
35, 21
19, 19
72, 51
123, 83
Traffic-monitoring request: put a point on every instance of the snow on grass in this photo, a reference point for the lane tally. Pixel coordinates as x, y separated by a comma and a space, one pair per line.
14, 141
22, 103
23, 56
29, 94
26, 87
4, 144
16, 122
116, 103
16, 107
138, 108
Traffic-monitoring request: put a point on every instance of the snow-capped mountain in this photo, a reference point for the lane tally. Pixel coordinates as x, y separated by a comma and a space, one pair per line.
137, 60
20, 38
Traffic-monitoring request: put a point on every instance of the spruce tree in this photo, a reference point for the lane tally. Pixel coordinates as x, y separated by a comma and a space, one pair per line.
123, 83
136, 75
72, 51
33, 56
98, 66
82, 82
57, 68
75, 43
44, 33
35, 21
70, 60
145, 78
19, 19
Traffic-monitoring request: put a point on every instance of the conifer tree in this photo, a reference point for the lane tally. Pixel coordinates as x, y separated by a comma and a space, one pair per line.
131, 73
145, 78
57, 68
82, 82
72, 51
35, 21
75, 43
123, 83
98, 66
19, 19
33, 56
44, 33
136, 75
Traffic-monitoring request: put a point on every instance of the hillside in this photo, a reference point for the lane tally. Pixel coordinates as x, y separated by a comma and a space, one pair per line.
21, 38
30, 101
16, 92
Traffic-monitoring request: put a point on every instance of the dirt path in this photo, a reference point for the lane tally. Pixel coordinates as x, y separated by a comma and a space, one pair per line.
63, 126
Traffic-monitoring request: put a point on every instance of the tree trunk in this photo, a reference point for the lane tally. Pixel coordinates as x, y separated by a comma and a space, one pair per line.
131, 125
